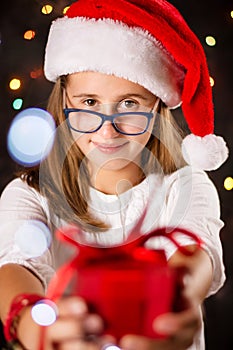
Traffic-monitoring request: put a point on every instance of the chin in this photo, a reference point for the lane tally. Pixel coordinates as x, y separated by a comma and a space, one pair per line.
113, 164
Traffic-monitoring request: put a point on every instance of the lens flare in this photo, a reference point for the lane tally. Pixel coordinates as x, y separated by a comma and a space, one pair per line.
29, 34
44, 312
210, 40
212, 82
228, 183
17, 103
66, 9
15, 84
47, 9
33, 238
31, 136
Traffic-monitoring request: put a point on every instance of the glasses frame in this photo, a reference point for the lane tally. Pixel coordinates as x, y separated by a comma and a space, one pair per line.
104, 117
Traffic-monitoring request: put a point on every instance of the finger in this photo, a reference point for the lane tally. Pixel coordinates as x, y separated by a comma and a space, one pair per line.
76, 306
72, 305
67, 329
132, 342
77, 344
93, 324
181, 341
70, 327
179, 330
64, 329
185, 335
171, 323
81, 344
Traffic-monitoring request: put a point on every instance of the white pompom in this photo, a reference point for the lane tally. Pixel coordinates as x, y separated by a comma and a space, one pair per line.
206, 153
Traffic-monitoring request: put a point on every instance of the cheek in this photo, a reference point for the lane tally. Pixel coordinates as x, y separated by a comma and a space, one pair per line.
82, 140
143, 139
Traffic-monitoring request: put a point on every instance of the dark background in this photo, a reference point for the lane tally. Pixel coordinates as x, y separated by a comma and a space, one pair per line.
18, 58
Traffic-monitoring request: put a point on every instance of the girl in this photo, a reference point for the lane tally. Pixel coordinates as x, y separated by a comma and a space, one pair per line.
118, 67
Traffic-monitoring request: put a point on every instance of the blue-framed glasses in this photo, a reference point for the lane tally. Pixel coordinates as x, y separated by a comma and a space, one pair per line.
127, 123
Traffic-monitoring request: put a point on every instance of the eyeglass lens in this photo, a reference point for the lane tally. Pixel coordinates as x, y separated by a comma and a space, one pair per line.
87, 122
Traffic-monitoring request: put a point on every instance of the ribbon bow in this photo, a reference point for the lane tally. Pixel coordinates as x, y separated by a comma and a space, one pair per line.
132, 249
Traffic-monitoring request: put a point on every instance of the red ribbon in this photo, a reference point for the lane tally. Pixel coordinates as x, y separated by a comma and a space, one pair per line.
132, 249
88, 254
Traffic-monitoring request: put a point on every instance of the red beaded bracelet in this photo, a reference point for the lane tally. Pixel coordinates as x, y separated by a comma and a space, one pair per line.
18, 304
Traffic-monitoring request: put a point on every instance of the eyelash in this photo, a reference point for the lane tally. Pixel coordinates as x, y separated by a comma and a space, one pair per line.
132, 102
92, 100
127, 103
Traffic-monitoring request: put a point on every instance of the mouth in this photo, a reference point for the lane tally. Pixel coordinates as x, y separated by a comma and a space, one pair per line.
109, 148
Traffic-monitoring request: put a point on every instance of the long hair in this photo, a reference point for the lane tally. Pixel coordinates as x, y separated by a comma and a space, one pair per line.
63, 176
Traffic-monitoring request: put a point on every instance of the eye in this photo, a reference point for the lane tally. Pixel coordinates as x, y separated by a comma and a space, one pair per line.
90, 102
128, 105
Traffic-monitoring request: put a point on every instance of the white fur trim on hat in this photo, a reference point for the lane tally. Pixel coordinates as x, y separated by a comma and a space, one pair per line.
206, 153
80, 44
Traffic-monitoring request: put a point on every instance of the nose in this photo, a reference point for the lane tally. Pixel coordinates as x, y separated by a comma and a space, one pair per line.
107, 131
107, 108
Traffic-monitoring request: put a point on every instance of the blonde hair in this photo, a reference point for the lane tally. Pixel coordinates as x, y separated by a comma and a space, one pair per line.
63, 176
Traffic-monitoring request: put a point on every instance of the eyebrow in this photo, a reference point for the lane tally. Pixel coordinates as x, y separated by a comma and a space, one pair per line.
120, 97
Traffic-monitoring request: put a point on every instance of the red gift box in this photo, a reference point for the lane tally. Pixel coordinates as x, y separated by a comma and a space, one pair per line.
128, 285
128, 292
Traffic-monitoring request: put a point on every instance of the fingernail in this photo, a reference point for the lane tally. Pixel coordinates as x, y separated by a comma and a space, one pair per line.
94, 323
77, 307
164, 327
129, 342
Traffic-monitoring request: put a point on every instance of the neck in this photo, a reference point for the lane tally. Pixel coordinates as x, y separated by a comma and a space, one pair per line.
117, 181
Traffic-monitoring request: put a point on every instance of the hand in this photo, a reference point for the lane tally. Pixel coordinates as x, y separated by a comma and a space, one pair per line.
179, 329
74, 328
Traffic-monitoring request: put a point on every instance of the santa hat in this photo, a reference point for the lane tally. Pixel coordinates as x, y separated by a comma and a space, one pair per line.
149, 43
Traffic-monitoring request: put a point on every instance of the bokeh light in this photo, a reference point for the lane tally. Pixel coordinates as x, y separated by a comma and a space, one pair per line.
15, 84
212, 82
210, 40
33, 238
66, 9
29, 35
44, 312
30, 137
231, 14
17, 103
47, 9
228, 183
111, 347
36, 73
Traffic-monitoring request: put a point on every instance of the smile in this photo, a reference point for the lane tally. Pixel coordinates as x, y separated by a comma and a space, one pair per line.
109, 148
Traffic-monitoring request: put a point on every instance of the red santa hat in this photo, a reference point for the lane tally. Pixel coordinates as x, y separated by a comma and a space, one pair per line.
147, 42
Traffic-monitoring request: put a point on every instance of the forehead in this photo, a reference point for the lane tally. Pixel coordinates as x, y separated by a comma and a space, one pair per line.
95, 82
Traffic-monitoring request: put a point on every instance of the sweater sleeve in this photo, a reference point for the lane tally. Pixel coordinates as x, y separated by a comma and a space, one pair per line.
20, 205
192, 202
